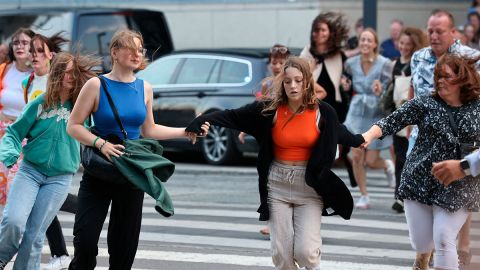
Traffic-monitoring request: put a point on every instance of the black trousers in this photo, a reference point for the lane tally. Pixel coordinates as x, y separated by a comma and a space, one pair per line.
94, 198
400, 145
54, 233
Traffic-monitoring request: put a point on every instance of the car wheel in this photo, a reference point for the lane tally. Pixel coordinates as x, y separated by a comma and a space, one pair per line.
218, 147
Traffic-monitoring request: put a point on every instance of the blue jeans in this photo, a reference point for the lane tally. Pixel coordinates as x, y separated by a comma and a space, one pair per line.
33, 201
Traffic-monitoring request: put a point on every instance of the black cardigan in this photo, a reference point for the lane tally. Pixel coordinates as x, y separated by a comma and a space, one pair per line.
249, 119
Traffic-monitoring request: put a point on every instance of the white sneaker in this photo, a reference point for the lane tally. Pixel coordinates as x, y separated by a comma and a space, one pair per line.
390, 173
58, 263
363, 202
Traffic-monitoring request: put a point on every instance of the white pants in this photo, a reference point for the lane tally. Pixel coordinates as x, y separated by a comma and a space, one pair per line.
434, 227
295, 218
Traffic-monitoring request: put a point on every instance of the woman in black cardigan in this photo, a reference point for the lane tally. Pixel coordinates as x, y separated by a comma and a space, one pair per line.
311, 186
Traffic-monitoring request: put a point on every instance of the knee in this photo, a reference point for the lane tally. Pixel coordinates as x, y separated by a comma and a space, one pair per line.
357, 159
370, 162
85, 244
444, 240
307, 256
13, 223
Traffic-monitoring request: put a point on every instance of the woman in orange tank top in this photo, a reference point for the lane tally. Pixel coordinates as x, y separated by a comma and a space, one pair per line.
297, 135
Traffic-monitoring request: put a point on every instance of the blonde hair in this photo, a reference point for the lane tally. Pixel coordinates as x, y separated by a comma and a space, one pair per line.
279, 95
81, 72
125, 38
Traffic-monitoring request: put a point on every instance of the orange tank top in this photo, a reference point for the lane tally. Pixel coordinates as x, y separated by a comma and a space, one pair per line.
294, 141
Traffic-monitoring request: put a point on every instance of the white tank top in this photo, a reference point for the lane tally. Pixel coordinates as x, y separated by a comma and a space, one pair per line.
11, 96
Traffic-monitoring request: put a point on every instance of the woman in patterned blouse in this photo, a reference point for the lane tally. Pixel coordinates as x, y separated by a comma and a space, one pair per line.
435, 213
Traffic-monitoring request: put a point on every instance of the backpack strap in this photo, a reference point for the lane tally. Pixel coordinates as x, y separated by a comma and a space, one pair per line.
29, 83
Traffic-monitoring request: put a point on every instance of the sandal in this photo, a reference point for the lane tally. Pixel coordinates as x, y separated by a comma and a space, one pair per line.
464, 257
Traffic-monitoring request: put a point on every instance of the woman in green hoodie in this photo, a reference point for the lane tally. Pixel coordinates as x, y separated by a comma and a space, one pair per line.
50, 159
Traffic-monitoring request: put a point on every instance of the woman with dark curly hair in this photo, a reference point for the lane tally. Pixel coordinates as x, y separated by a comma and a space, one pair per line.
326, 60
435, 212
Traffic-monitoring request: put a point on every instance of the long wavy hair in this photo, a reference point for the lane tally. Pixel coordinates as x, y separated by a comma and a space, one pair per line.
53, 43
81, 72
466, 77
337, 25
280, 97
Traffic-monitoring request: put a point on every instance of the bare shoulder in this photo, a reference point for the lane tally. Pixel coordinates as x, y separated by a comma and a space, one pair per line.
93, 84
147, 88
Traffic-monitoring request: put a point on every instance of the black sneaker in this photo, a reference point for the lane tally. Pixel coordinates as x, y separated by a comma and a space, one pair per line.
398, 206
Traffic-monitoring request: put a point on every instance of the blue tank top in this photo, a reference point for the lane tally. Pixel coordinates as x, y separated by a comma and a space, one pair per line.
129, 98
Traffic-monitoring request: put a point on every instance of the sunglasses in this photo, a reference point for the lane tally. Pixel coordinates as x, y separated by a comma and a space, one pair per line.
281, 50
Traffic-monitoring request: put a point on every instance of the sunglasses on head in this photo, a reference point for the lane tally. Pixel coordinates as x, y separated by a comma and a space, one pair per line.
281, 50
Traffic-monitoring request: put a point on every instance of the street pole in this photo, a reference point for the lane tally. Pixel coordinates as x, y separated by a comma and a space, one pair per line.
370, 13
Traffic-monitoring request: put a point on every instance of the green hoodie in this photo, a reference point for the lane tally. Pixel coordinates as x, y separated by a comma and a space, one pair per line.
49, 148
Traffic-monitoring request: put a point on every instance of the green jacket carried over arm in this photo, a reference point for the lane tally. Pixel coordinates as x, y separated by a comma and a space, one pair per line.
145, 167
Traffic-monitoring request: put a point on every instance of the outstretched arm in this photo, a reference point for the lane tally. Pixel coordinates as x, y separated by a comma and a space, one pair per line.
160, 132
373, 133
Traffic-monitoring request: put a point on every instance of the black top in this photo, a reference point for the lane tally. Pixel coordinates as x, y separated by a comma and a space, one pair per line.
325, 81
329, 186
399, 66
436, 142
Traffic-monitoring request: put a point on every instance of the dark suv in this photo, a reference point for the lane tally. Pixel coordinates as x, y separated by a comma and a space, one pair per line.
90, 29
189, 82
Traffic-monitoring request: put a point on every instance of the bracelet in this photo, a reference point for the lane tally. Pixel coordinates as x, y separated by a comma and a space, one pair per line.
95, 141
101, 146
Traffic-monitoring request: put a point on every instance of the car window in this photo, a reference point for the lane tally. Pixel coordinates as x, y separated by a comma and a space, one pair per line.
96, 30
196, 71
160, 72
234, 72
215, 74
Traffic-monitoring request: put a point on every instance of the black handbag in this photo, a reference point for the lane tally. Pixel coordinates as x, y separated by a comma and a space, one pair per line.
463, 149
97, 164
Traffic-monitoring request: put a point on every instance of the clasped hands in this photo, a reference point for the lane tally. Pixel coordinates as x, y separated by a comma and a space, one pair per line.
193, 136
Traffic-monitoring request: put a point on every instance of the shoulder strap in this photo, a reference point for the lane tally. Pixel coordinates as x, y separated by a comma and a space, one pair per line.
29, 82
450, 118
112, 105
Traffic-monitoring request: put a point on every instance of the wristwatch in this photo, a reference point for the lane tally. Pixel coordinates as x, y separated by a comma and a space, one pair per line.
465, 166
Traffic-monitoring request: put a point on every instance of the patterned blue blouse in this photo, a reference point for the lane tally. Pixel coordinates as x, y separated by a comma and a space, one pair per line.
435, 142
363, 110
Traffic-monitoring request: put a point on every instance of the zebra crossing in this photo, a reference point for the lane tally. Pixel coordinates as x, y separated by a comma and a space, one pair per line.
215, 235
209, 236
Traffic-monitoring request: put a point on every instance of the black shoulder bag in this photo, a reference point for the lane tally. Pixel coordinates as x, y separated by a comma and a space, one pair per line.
463, 149
94, 162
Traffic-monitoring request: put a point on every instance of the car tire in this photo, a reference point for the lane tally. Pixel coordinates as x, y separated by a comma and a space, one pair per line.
218, 147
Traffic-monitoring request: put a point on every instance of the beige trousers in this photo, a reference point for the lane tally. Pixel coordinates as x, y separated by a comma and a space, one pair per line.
295, 218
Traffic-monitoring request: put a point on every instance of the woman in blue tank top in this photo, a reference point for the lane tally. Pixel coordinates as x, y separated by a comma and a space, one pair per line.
133, 98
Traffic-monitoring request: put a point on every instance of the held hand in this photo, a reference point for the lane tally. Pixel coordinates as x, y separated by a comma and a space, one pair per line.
193, 136
368, 137
447, 171
109, 150
377, 87
241, 137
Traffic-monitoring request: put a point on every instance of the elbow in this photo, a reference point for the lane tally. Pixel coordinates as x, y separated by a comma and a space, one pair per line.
70, 129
